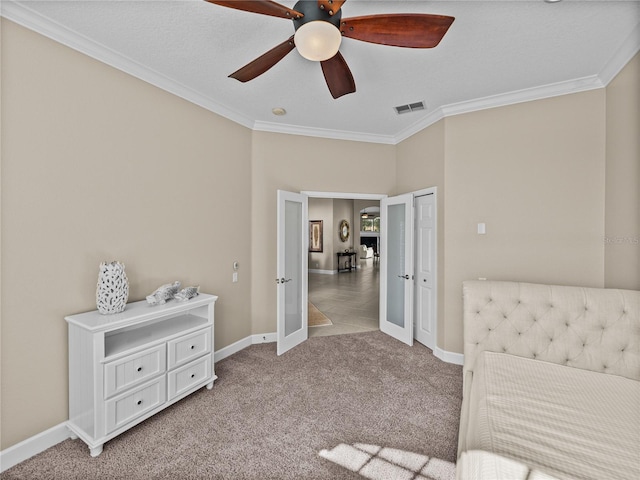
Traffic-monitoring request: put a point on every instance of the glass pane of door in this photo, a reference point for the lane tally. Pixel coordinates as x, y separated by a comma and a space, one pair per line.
396, 267
395, 264
293, 268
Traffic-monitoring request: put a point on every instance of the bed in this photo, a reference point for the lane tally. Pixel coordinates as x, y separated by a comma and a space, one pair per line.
551, 382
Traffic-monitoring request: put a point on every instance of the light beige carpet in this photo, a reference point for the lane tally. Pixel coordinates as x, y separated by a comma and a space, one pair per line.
387, 412
317, 318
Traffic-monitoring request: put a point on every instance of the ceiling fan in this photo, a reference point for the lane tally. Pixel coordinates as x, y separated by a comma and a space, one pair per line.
319, 28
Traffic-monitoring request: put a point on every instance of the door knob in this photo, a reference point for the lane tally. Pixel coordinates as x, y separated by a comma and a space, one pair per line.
406, 277
282, 280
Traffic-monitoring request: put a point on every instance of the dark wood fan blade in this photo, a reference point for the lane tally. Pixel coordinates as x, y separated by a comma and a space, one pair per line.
413, 30
338, 76
264, 62
265, 7
331, 6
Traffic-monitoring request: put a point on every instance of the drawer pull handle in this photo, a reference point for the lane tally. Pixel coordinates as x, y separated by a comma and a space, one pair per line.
139, 402
193, 375
192, 347
139, 369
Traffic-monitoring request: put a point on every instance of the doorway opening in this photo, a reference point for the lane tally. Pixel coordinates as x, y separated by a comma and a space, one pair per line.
344, 300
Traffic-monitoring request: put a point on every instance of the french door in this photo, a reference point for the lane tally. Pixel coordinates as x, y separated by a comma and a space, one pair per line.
396, 267
293, 242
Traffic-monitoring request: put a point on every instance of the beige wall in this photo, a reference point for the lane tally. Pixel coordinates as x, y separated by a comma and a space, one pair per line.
533, 172
342, 210
622, 229
332, 212
322, 209
296, 163
97, 165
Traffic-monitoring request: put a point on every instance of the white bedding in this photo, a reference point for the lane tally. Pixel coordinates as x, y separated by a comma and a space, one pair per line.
567, 422
481, 465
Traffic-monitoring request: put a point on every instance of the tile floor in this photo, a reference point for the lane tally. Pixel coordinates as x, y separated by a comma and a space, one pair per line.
350, 299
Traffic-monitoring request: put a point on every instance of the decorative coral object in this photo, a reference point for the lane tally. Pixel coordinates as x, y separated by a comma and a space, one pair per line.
113, 288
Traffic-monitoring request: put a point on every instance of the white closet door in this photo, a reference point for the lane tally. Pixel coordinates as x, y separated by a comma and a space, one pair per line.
425, 274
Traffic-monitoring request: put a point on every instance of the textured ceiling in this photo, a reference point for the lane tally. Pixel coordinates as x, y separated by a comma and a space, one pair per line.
496, 52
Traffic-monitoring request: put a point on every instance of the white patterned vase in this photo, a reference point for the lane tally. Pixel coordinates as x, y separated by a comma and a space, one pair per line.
113, 288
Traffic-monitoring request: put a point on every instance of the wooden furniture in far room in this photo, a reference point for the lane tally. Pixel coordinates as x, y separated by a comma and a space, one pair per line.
349, 263
126, 367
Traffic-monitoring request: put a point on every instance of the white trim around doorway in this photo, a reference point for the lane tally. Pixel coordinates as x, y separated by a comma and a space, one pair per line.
345, 196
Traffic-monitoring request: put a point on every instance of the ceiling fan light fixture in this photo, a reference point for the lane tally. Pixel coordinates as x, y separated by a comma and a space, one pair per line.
318, 40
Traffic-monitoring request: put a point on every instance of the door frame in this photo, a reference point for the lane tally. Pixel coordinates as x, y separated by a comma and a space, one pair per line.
344, 196
420, 193
374, 196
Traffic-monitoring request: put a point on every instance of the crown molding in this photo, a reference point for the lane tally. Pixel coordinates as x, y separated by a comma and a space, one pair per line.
502, 100
525, 95
22, 15
322, 133
623, 55
419, 125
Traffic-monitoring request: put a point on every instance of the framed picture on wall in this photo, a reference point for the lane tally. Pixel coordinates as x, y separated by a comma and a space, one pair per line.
315, 235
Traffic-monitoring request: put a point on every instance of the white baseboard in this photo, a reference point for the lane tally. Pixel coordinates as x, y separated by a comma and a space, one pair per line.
325, 272
449, 357
40, 442
264, 338
231, 349
33, 445
242, 344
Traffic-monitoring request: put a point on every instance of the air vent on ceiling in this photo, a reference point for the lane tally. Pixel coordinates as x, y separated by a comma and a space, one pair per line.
411, 107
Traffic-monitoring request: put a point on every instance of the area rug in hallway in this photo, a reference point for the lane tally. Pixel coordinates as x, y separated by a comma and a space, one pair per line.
340, 407
317, 318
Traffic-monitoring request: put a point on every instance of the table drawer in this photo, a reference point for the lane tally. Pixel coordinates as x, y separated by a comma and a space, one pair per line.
186, 377
131, 405
133, 370
187, 348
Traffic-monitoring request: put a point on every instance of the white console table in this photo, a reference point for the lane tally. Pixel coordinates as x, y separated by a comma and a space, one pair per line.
124, 368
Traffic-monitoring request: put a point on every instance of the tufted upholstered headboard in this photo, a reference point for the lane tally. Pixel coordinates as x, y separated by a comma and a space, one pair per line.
590, 328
